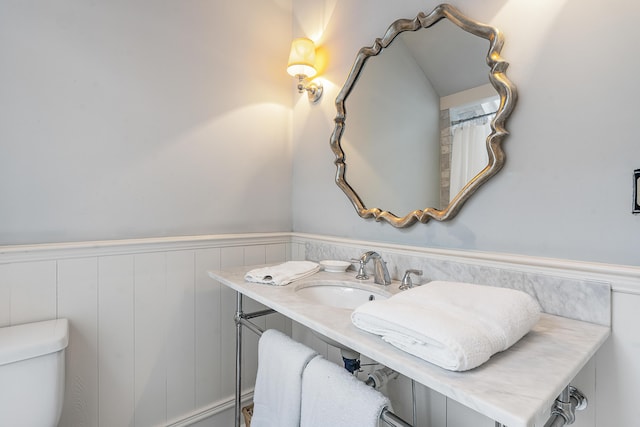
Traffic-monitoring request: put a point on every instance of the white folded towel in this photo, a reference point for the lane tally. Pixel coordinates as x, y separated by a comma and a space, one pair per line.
333, 397
278, 388
457, 326
282, 274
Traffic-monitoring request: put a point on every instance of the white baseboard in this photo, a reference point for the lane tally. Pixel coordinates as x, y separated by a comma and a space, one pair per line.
210, 410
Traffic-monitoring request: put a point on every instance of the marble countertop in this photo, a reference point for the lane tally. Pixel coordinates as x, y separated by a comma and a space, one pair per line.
516, 387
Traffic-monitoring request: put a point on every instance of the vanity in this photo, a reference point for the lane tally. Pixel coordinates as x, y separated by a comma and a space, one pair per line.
516, 388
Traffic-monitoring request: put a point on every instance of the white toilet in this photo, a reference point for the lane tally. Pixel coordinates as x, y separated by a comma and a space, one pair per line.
32, 373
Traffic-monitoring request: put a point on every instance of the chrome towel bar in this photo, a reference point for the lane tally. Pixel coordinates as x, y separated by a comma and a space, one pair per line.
242, 319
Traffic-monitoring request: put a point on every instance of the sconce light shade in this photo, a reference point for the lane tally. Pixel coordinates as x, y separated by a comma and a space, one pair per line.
302, 58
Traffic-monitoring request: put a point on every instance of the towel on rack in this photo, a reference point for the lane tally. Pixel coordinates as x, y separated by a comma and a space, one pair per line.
333, 397
457, 326
276, 396
282, 274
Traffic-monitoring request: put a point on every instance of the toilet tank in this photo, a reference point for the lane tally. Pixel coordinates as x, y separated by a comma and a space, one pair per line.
32, 373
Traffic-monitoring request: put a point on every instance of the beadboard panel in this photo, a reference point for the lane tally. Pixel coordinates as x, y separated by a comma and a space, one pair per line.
116, 341
5, 296
618, 366
208, 333
151, 335
78, 301
180, 342
28, 291
150, 331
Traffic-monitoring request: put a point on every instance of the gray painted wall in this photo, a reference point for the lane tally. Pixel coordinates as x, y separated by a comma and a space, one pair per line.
565, 191
141, 119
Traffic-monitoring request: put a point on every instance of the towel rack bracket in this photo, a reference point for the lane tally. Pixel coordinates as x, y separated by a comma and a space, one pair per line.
564, 409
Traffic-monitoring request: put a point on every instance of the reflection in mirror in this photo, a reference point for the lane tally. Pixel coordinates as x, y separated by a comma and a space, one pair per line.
469, 126
419, 129
381, 131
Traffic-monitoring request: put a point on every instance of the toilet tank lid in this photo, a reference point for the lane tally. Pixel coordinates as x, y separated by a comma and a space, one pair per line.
30, 340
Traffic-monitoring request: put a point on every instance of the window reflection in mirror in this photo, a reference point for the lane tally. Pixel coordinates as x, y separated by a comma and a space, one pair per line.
464, 151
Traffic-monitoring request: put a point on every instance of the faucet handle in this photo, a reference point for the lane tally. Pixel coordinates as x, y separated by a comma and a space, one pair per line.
406, 279
362, 275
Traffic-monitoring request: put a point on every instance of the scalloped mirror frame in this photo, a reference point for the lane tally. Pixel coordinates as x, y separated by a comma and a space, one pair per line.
506, 90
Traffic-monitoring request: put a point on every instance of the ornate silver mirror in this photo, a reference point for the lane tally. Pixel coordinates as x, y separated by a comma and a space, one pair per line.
426, 118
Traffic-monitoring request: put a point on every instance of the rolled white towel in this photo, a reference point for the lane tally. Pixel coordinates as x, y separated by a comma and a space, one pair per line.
457, 326
333, 397
277, 393
282, 274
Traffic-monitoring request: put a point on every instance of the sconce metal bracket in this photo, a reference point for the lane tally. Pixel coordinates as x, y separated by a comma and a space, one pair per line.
314, 89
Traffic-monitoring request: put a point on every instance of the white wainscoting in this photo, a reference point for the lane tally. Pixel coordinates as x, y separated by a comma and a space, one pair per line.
152, 336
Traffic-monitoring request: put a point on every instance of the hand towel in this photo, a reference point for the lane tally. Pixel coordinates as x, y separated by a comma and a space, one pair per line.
457, 326
333, 397
276, 396
282, 274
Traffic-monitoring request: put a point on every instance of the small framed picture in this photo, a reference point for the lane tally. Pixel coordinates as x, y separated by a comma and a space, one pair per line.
636, 195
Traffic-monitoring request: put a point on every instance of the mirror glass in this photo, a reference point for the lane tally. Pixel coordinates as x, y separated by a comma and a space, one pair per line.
413, 133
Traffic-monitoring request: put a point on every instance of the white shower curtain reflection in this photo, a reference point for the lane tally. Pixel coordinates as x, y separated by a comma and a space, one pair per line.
468, 152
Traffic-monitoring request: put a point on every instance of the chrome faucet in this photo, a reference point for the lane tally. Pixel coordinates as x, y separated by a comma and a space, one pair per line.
406, 282
380, 271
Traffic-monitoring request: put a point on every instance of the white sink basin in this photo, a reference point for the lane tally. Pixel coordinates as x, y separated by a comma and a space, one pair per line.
340, 294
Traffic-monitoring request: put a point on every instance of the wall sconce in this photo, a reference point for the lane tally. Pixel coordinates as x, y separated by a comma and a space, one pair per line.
302, 64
